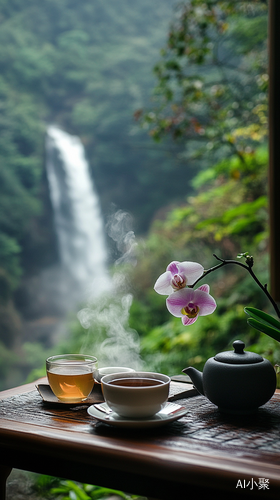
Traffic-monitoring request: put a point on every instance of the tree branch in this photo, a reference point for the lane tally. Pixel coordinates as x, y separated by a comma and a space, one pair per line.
248, 267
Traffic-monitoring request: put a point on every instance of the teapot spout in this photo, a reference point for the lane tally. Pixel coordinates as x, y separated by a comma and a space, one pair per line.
196, 378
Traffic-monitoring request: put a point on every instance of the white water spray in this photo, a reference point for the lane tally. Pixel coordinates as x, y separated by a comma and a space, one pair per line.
83, 254
77, 215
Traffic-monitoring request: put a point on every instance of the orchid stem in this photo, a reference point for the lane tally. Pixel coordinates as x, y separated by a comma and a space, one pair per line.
224, 262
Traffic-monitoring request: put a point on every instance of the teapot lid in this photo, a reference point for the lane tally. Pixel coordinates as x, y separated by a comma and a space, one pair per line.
238, 356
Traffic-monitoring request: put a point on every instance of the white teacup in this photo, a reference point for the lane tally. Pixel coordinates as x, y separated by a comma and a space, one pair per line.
107, 370
135, 395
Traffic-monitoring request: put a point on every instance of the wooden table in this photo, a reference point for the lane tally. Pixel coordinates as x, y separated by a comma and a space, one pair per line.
204, 452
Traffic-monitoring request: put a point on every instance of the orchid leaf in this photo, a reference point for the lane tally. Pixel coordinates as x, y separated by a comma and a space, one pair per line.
262, 317
265, 328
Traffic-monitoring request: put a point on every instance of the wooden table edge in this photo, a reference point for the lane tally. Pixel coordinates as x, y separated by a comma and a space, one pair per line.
180, 464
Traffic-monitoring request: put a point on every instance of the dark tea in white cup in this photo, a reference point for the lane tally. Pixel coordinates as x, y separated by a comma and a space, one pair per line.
136, 395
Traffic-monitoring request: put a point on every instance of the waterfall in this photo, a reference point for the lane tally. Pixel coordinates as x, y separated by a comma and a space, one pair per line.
77, 215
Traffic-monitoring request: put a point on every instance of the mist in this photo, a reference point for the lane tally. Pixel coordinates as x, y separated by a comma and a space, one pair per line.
106, 317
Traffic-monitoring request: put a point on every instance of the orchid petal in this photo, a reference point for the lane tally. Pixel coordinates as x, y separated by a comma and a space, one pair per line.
192, 271
205, 302
178, 300
188, 304
204, 288
188, 321
177, 276
173, 267
163, 284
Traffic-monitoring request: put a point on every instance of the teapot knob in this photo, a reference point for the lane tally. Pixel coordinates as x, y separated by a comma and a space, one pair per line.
238, 346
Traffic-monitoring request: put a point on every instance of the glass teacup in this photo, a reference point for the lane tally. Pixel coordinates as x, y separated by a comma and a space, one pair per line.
71, 376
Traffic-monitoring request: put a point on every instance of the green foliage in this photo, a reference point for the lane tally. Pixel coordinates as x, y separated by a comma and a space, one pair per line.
85, 67
20, 172
53, 69
72, 490
174, 346
232, 204
9, 252
170, 346
7, 359
34, 356
212, 89
211, 94
263, 322
228, 214
212, 79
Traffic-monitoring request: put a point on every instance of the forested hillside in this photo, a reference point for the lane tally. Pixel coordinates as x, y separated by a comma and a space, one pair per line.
182, 147
199, 187
211, 96
86, 67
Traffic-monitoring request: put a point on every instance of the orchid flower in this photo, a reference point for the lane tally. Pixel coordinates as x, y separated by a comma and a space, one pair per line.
188, 304
178, 275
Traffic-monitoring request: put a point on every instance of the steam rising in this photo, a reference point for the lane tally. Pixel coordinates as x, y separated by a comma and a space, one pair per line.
119, 228
106, 317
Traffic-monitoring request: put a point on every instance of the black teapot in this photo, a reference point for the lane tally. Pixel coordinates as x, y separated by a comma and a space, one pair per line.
236, 381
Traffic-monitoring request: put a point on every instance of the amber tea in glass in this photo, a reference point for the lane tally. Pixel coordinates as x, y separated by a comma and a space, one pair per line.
71, 376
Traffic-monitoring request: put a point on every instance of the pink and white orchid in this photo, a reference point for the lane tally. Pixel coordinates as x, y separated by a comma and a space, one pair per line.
177, 276
188, 304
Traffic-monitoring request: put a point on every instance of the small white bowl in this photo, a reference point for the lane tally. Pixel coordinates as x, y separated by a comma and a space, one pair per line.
108, 370
135, 401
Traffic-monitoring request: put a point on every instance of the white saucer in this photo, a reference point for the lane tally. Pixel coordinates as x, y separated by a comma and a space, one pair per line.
118, 421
